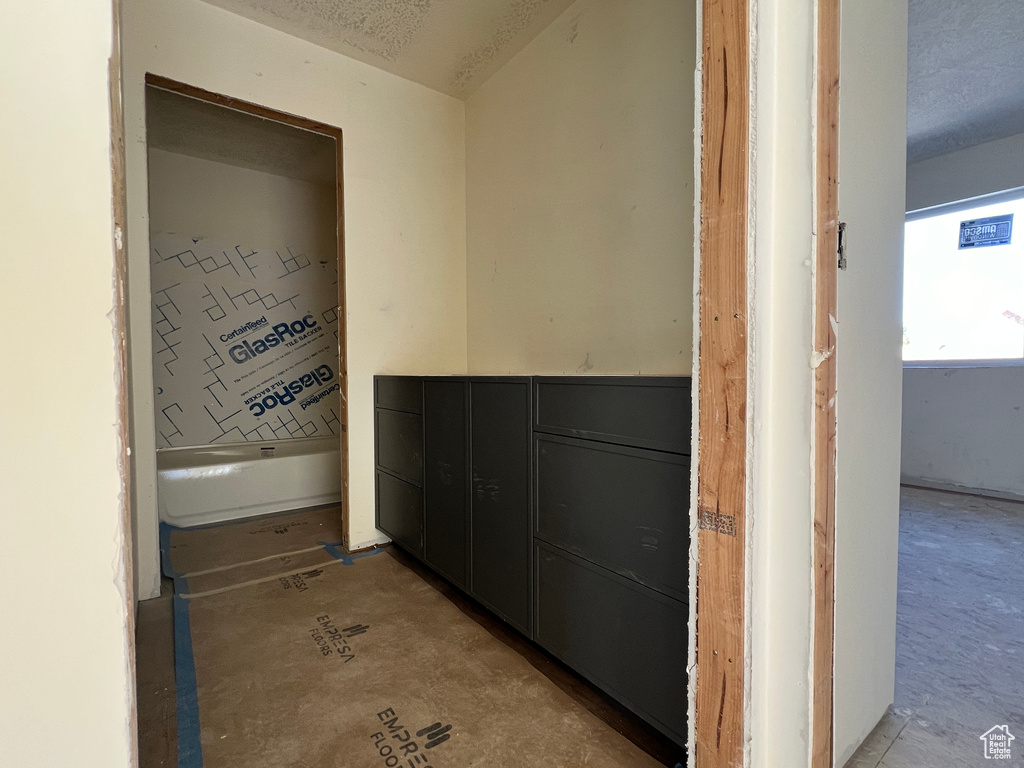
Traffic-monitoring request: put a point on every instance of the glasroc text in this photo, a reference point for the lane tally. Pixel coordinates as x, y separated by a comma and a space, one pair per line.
295, 330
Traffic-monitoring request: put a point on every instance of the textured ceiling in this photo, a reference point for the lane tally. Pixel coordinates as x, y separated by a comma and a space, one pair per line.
965, 74
965, 60
187, 126
452, 46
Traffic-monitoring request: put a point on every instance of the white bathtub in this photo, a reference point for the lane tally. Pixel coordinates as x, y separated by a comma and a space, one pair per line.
212, 483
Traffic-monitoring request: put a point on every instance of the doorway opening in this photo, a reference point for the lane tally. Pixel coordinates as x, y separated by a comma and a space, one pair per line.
247, 286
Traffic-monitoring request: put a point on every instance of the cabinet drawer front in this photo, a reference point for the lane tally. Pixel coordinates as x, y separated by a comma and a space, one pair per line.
400, 444
400, 511
642, 412
399, 393
629, 640
623, 508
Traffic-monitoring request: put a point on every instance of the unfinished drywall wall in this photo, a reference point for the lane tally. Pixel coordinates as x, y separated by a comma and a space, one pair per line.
234, 203
872, 156
404, 212
963, 428
580, 196
65, 679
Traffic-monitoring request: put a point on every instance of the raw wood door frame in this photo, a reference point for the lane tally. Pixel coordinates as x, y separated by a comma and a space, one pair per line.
330, 131
722, 383
722, 386
826, 180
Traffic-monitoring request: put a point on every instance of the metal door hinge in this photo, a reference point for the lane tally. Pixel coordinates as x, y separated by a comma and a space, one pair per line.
842, 245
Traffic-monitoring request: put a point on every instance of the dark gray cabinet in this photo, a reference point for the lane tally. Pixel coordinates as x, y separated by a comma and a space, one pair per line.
453, 458
560, 503
446, 489
612, 536
500, 499
398, 447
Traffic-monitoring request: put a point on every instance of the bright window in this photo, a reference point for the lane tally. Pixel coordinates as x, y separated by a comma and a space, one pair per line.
963, 282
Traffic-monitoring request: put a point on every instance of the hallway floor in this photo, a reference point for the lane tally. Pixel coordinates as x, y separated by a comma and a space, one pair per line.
591, 719
959, 633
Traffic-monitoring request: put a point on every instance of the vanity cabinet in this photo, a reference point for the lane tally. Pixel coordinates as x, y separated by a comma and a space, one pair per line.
561, 504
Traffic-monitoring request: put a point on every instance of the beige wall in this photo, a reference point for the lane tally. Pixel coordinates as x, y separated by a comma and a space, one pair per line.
580, 196
65, 685
404, 206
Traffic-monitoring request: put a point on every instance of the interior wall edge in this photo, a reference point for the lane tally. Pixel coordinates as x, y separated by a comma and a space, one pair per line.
66, 671
781, 416
126, 532
872, 173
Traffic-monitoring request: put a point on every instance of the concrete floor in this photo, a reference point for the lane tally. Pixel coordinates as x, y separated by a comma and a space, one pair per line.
959, 633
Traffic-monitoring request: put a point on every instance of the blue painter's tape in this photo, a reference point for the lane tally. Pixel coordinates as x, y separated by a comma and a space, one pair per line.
334, 551
190, 748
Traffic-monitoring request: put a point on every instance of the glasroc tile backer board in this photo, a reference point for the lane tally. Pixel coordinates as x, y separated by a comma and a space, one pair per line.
360, 663
245, 342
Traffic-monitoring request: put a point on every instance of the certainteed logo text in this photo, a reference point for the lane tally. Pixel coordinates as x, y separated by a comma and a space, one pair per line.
252, 325
250, 350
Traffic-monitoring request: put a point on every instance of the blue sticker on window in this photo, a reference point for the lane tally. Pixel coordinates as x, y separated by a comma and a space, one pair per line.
994, 230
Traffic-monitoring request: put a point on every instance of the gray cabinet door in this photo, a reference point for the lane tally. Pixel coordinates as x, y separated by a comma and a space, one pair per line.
629, 640
399, 459
400, 511
500, 497
446, 477
625, 509
400, 444
642, 411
